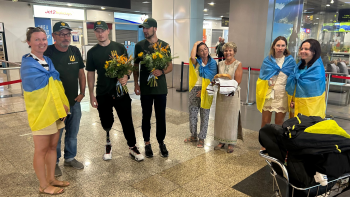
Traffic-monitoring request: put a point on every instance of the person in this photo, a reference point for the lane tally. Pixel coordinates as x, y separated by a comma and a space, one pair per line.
306, 85
150, 95
217, 44
219, 49
47, 107
203, 68
106, 90
69, 63
228, 127
271, 95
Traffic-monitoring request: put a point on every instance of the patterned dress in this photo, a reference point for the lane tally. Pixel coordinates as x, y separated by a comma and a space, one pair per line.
228, 127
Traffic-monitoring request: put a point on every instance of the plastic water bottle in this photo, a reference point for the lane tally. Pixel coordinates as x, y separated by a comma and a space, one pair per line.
321, 178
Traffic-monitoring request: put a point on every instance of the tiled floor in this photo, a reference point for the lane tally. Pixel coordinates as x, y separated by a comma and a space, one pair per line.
188, 171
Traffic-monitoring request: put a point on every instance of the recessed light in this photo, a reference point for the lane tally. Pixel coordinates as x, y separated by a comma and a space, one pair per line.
317, 18
206, 14
328, 5
103, 8
69, 4
205, 10
332, 1
211, 3
146, 2
221, 16
136, 11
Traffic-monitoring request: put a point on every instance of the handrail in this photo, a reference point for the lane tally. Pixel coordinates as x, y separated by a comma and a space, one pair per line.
10, 68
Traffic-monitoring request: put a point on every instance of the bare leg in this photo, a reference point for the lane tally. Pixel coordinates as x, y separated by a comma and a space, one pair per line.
266, 118
42, 144
279, 119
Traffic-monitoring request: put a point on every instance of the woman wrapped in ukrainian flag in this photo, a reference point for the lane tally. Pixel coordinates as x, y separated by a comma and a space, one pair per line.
202, 70
47, 107
271, 95
306, 86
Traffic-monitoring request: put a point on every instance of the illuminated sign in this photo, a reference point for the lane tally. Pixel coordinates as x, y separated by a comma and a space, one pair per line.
129, 18
58, 12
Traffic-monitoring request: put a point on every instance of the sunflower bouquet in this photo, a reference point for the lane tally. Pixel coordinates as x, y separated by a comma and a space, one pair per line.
158, 60
118, 67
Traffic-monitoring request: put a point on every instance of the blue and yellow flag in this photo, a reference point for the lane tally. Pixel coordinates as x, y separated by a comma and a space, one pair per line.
269, 69
43, 93
207, 73
307, 90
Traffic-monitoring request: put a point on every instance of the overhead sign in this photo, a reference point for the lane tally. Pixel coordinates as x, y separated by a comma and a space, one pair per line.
225, 22
58, 12
207, 25
129, 18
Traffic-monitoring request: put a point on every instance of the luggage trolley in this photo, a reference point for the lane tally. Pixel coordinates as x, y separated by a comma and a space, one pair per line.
283, 186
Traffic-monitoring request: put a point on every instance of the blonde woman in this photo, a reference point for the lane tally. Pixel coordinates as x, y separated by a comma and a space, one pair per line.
228, 127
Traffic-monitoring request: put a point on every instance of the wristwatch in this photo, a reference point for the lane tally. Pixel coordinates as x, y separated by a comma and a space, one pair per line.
82, 94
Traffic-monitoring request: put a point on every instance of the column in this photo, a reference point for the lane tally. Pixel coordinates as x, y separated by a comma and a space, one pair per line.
180, 23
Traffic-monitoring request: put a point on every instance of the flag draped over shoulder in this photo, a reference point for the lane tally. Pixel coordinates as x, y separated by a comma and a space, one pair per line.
207, 73
269, 69
307, 90
43, 93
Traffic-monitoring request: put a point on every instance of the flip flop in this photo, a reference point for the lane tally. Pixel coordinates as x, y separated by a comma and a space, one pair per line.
57, 191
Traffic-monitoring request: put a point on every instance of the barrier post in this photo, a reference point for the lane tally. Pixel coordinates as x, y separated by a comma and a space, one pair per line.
181, 79
19, 70
248, 82
330, 117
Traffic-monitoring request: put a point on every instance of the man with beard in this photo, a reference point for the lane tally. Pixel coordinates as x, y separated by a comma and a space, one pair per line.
107, 96
150, 95
68, 62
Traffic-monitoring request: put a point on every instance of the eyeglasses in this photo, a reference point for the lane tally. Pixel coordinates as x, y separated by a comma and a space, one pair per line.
62, 35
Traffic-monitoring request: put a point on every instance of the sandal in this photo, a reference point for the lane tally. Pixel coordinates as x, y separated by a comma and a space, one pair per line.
57, 190
191, 139
200, 143
219, 146
64, 183
230, 148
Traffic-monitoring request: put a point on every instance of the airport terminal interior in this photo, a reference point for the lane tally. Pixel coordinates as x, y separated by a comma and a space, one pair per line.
188, 170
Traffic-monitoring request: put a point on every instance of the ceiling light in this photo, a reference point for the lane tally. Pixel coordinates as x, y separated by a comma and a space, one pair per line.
205, 10
146, 2
206, 14
308, 16
317, 18
221, 16
332, 1
212, 3
136, 11
69, 4
328, 5
103, 8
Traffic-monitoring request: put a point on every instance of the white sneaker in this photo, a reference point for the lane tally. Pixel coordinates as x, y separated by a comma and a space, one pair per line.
108, 154
135, 153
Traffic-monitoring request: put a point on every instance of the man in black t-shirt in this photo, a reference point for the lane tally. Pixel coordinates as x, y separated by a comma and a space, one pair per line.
150, 95
106, 92
69, 63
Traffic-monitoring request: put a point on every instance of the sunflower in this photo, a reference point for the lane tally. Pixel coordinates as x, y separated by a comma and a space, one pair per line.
154, 56
160, 55
140, 54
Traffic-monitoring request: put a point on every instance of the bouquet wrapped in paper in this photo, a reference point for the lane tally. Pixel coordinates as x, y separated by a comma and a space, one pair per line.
118, 67
158, 60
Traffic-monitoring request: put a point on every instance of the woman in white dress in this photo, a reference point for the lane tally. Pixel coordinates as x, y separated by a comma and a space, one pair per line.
271, 93
228, 126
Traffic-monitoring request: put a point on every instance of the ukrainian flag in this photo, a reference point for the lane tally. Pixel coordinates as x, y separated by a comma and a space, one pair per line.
307, 90
269, 69
207, 73
43, 93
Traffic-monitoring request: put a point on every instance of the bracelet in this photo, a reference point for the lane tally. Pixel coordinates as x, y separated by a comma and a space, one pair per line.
82, 94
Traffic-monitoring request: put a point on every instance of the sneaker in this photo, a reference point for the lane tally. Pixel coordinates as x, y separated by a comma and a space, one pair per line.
163, 150
75, 164
148, 151
135, 153
58, 171
108, 154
